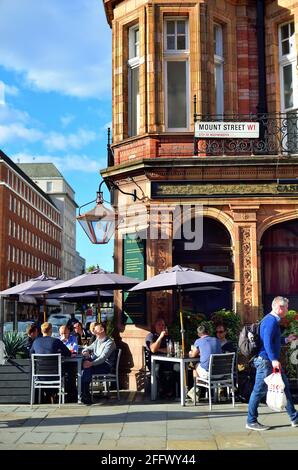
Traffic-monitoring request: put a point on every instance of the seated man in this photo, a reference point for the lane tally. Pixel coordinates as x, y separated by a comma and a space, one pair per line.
156, 343
69, 340
46, 344
203, 347
99, 359
32, 334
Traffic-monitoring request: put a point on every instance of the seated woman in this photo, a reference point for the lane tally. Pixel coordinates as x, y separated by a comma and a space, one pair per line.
156, 343
226, 345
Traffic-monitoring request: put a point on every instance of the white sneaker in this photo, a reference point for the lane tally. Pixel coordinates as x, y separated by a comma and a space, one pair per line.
191, 394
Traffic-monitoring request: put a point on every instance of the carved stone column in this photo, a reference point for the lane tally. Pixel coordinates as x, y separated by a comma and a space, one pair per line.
246, 262
159, 258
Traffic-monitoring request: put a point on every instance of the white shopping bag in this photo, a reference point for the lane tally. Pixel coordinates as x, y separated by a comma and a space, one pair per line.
276, 398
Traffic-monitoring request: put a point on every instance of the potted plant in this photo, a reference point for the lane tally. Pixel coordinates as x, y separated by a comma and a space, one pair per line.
15, 372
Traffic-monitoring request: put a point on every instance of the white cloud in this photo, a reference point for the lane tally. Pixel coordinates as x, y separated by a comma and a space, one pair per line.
2, 94
7, 90
57, 141
67, 119
11, 115
15, 131
66, 163
62, 46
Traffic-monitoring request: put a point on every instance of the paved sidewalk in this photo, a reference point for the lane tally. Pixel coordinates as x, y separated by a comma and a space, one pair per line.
135, 423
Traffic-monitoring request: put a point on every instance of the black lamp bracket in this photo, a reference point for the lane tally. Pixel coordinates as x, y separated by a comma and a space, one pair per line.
99, 195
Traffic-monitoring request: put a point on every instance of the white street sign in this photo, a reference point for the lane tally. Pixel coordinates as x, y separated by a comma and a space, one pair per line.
226, 130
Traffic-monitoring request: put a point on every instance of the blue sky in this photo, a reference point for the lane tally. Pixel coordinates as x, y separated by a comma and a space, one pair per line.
55, 94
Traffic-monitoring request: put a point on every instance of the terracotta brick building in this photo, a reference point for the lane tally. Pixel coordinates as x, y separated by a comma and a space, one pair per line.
181, 69
30, 230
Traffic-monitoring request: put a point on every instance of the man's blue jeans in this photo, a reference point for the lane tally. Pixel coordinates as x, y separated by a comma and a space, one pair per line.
263, 369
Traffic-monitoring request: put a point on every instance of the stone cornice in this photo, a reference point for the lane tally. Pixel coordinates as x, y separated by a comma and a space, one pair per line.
221, 167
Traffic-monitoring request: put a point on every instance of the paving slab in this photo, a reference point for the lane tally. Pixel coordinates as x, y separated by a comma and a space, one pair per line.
87, 438
10, 437
33, 438
62, 438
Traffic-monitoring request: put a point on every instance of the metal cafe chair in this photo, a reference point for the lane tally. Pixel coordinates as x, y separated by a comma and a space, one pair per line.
221, 375
46, 373
106, 379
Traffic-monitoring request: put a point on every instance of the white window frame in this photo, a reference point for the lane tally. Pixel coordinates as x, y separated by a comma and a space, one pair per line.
133, 63
219, 63
176, 55
176, 19
285, 60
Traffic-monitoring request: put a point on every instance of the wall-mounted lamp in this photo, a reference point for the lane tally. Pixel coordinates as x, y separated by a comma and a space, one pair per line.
100, 223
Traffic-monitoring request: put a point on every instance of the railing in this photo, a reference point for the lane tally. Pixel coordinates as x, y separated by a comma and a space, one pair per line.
278, 135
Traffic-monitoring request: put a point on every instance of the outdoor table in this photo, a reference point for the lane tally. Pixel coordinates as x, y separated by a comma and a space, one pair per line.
78, 359
182, 361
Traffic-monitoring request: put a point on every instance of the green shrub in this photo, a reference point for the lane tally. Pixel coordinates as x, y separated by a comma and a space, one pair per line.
14, 343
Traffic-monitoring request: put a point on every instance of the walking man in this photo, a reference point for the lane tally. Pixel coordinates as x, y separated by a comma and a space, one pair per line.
268, 358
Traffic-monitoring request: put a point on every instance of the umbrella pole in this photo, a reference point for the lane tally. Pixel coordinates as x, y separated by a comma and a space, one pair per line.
182, 336
44, 309
181, 323
98, 307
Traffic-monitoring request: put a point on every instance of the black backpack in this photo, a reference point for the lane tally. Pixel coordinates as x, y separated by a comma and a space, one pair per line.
249, 340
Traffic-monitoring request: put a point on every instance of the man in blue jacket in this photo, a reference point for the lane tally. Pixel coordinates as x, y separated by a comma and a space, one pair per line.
268, 359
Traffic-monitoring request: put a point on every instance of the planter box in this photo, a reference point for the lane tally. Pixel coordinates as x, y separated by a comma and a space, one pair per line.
15, 381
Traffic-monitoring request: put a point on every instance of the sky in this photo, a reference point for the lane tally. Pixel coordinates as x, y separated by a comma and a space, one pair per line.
55, 95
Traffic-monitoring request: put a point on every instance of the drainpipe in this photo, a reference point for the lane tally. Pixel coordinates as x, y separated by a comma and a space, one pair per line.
262, 103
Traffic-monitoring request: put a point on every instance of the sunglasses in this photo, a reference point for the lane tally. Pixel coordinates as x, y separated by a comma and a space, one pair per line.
220, 331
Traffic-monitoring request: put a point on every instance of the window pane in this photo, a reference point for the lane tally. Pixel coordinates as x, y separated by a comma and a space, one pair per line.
288, 86
292, 29
170, 27
181, 43
136, 39
170, 43
285, 47
284, 32
218, 46
219, 99
134, 101
180, 27
176, 87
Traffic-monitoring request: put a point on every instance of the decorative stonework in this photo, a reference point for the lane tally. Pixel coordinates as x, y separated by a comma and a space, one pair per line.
196, 189
161, 300
245, 271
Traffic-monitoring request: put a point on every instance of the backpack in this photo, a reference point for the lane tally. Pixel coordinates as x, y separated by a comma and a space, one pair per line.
249, 340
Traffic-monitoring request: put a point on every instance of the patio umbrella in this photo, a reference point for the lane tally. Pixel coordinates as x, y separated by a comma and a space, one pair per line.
35, 287
95, 280
85, 297
180, 278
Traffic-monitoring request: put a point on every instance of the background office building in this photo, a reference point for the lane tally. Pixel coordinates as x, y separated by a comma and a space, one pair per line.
30, 230
52, 182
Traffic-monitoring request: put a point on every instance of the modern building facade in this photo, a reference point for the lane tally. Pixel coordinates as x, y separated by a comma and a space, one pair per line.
52, 182
30, 230
80, 264
205, 100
